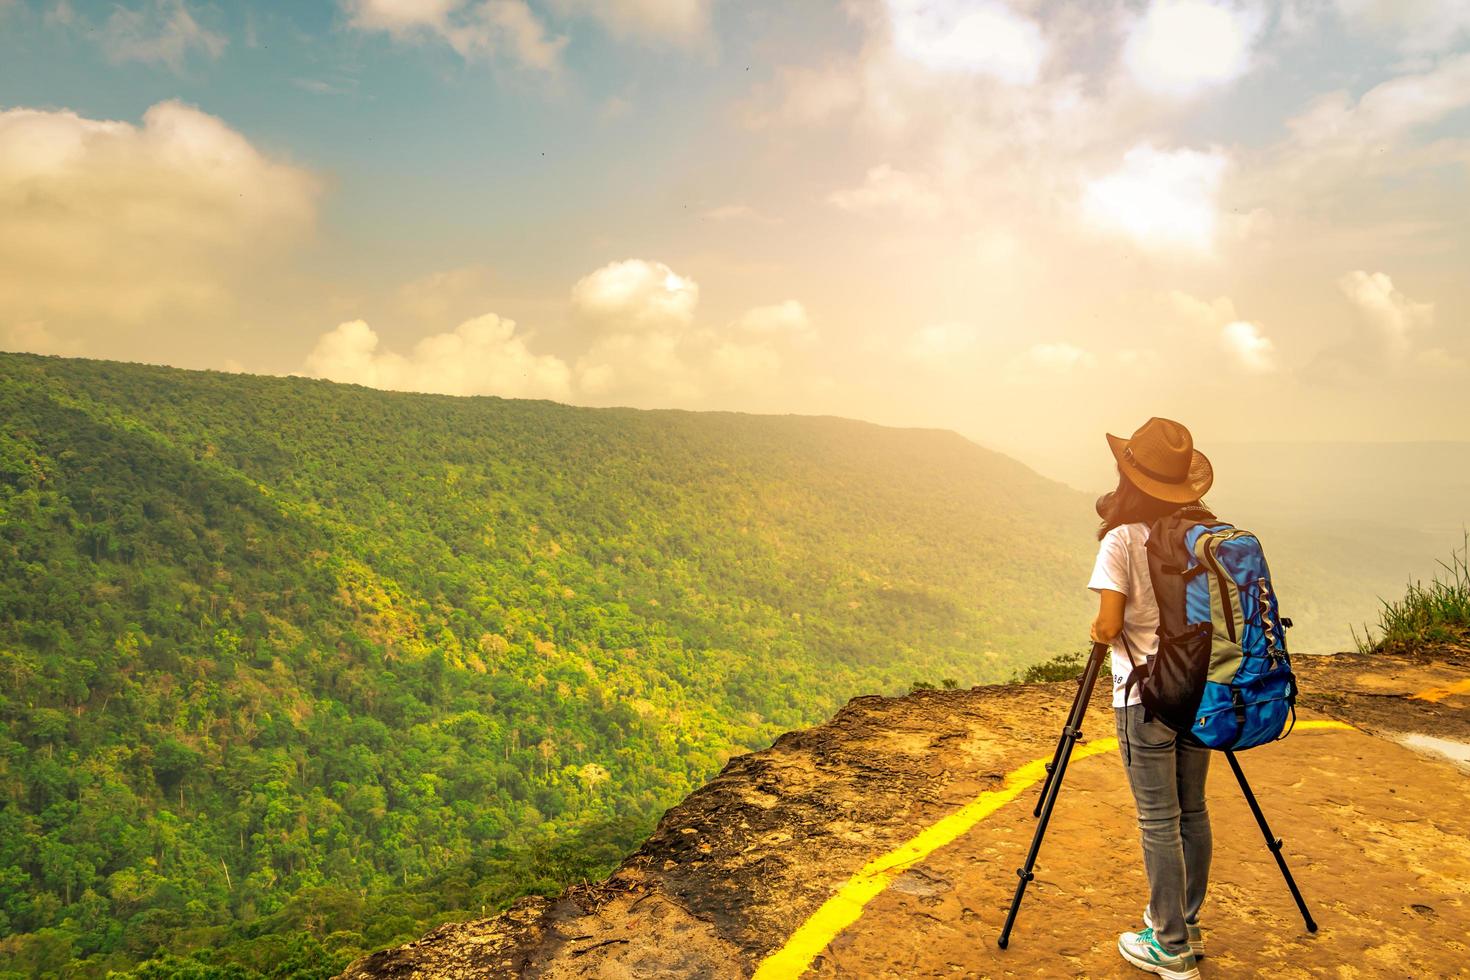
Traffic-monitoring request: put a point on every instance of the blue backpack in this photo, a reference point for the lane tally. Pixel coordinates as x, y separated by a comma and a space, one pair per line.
1222, 675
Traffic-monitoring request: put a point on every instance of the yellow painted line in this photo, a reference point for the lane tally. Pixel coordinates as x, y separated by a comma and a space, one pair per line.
1437, 694
846, 906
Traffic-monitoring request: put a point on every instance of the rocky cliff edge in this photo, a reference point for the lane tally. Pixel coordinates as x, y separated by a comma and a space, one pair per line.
1376, 821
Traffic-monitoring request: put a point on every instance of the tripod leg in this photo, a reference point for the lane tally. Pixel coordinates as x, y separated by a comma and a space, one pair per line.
1074, 719
1070, 733
1272, 842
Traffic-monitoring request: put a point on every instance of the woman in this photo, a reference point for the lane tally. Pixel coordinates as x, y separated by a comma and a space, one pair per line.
1159, 472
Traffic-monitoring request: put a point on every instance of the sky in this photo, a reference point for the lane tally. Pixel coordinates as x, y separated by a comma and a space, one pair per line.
1030, 222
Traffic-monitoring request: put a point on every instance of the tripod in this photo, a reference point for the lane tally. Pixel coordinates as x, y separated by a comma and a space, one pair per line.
1057, 768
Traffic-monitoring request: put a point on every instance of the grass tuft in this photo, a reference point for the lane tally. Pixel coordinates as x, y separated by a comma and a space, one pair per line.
1436, 614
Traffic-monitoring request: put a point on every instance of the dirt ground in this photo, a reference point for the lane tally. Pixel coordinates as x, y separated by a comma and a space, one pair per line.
1376, 836
1377, 833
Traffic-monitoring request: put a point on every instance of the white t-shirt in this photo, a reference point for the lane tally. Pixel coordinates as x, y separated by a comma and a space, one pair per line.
1122, 566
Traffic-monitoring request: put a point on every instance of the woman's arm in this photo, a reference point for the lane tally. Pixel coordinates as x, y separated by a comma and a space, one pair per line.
1109, 621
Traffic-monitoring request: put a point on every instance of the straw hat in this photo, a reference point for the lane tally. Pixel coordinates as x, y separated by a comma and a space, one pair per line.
1160, 459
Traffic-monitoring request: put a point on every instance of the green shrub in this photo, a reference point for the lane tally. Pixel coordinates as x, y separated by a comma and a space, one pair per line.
1427, 615
1062, 667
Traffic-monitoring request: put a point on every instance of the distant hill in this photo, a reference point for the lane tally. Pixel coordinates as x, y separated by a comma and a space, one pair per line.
293, 669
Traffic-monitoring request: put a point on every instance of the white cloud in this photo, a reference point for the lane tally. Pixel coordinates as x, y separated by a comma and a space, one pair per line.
1414, 26
884, 188
399, 15
1252, 349
804, 95
1198, 313
636, 295
1179, 47
1043, 362
477, 29
645, 347
732, 212
105, 220
482, 356
1371, 173
938, 345
644, 344
509, 26
981, 37
1248, 346
1385, 112
1391, 314
669, 21
1160, 198
163, 31
786, 319
1379, 343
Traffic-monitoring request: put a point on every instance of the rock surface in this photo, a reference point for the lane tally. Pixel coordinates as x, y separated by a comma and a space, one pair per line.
1378, 835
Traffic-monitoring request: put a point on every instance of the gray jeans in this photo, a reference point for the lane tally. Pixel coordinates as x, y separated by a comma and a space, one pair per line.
1168, 782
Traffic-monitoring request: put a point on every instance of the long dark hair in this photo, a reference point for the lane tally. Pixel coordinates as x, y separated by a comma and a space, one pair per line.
1129, 505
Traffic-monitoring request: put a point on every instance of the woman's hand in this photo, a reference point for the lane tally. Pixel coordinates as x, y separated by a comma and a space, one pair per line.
1109, 621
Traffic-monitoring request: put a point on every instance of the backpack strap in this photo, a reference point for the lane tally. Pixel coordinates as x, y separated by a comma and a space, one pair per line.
1291, 703
1135, 678
1237, 702
1292, 727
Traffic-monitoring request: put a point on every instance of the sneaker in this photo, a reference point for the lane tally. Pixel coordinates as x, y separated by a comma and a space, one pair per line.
1196, 936
1143, 951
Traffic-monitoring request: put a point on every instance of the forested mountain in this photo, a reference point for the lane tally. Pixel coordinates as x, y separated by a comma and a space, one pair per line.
290, 670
